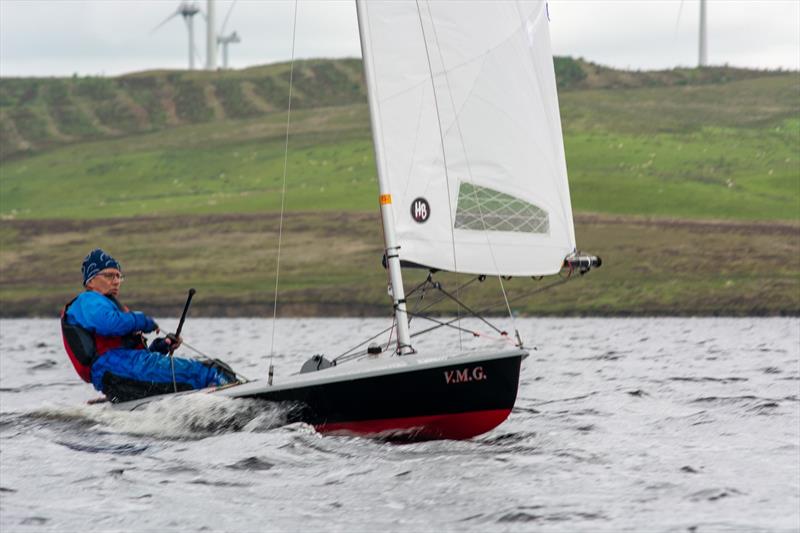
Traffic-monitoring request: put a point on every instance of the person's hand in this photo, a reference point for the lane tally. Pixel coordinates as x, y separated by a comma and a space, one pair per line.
166, 345
173, 341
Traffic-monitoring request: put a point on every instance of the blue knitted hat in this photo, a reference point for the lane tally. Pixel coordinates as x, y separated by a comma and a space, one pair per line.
96, 262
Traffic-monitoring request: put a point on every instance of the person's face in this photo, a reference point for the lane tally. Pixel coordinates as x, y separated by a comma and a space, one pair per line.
106, 282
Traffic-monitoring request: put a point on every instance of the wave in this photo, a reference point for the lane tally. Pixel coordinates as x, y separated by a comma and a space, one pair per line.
706, 379
191, 416
537, 513
747, 398
749, 403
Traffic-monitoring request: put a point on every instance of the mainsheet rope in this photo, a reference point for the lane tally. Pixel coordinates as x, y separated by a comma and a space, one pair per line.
283, 197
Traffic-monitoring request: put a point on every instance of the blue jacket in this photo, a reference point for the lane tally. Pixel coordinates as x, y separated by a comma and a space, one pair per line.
99, 314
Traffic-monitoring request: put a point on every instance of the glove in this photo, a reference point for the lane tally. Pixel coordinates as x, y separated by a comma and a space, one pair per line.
159, 345
164, 344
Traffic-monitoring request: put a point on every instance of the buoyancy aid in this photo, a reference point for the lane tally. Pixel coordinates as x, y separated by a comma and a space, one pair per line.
84, 347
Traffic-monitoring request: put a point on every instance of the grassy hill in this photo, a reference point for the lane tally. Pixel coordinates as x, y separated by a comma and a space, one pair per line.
687, 180
708, 143
40, 113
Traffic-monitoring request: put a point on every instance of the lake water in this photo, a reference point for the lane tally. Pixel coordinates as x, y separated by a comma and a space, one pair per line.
620, 424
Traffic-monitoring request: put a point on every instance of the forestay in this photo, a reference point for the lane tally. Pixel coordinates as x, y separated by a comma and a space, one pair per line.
470, 135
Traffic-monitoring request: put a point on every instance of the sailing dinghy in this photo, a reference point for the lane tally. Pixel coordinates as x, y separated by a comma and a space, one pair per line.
472, 180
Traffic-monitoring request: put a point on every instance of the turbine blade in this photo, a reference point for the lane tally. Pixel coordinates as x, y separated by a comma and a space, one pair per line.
225, 22
172, 16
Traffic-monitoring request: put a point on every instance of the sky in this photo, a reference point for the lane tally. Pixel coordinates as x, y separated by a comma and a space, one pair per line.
111, 37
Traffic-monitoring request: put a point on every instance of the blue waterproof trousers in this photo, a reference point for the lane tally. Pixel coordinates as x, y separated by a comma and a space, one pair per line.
148, 367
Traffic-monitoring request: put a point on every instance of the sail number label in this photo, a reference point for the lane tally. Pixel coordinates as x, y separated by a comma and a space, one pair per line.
464, 375
420, 210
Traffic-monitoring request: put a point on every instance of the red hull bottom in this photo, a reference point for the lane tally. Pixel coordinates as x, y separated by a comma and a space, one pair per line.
449, 426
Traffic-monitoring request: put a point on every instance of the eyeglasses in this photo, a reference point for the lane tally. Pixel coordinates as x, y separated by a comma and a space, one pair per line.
110, 276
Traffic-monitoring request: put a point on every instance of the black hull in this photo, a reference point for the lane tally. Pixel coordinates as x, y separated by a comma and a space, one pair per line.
447, 401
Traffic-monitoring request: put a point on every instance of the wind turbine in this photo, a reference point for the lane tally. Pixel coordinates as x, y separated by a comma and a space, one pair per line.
702, 53
187, 11
702, 48
225, 40
211, 37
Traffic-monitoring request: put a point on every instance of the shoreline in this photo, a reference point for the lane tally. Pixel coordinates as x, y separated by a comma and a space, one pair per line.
237, 311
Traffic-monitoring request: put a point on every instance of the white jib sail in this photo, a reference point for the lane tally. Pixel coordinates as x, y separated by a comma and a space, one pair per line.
470, 132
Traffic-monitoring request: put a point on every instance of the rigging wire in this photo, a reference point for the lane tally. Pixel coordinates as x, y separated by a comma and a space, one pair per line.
474, 313
448, 324
392, 329
441, 297
343, 355
351, 354
201, 354
469, 169
525, 294
195, 350
348, 354
283, 197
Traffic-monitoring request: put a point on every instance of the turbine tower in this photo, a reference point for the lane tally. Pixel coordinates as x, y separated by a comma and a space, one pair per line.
211, 37
225, 40
187, 11
702, 54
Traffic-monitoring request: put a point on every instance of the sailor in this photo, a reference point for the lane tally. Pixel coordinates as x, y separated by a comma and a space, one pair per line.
105, 342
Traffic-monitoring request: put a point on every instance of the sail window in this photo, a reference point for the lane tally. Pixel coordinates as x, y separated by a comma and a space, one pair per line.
481, 208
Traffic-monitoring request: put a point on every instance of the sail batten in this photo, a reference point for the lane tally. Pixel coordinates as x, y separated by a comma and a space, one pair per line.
471, 134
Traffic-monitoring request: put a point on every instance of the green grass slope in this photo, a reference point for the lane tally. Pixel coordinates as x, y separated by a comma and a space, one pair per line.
714, 150
228, 167
37, 114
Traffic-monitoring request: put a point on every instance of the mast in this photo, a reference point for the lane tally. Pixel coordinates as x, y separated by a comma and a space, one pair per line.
389, 234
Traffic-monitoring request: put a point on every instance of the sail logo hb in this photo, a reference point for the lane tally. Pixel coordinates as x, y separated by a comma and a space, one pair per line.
464, 375
420, 210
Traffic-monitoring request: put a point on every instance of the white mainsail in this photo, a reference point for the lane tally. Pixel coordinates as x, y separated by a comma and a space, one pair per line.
468, 134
